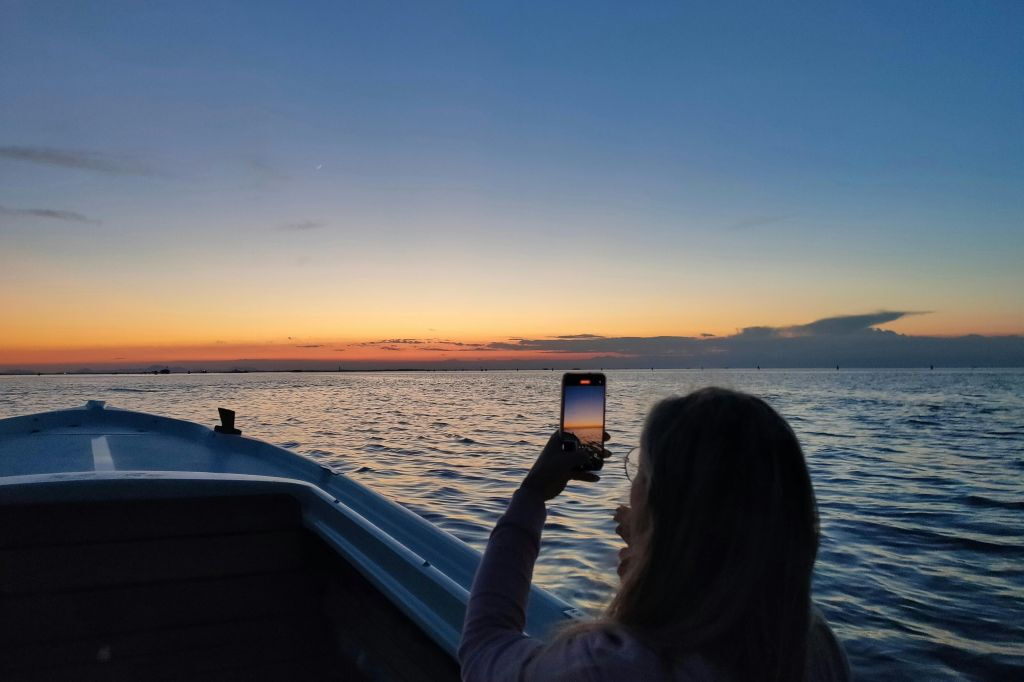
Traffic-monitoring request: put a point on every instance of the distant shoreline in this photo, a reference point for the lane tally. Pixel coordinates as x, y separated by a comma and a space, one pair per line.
378, 370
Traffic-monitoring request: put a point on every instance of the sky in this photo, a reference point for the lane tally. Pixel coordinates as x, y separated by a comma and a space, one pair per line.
211, 183
584, 406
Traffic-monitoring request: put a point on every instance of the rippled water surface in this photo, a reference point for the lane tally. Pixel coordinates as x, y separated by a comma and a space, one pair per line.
919, 477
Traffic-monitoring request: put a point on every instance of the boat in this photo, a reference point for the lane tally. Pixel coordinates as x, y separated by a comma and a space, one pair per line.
136, 546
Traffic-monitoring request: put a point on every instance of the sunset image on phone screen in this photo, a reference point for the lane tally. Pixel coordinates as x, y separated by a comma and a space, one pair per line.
583, 414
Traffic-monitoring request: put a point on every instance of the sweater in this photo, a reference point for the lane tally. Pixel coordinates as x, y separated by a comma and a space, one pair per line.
495, 649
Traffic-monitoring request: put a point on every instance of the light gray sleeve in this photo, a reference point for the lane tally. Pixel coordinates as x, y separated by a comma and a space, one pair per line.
493, 646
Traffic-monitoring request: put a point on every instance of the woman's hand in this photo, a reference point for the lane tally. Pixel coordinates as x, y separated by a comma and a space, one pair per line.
555, 468
624, 530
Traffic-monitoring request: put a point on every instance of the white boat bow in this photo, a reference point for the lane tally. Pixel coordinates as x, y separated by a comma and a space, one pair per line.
97, 454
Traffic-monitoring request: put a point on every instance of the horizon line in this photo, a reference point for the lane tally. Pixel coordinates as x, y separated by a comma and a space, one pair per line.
343, 370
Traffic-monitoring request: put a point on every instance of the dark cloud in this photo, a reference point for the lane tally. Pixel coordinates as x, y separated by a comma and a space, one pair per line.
302, 226
309, 345
851, 340
829, 326
389, 347
759, 332
706, 335
78, 159
48, 214
690, 345
848, 324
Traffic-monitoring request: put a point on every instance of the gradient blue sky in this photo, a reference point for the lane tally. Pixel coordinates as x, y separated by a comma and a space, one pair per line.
258, 171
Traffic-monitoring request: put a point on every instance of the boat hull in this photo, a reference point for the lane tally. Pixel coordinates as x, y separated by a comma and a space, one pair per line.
97, 454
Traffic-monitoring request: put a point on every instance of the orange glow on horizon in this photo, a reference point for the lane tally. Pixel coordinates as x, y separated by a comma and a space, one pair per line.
386, 350
327, 353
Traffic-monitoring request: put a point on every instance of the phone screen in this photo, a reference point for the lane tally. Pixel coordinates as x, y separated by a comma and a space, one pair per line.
583, 409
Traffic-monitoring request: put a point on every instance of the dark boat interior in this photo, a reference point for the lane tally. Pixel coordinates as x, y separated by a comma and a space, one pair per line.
226, 588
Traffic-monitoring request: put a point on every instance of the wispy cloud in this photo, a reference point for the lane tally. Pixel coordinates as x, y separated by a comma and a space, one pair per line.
309, 345
48, 214
263, 172
615, 345
302, 226
76, 158
404, 342
758, 221
455, 346
434, 345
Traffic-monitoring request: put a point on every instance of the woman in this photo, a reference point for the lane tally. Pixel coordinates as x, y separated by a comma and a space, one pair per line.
721, 533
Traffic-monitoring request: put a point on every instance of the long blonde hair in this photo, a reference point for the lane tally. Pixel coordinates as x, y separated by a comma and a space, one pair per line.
724, 540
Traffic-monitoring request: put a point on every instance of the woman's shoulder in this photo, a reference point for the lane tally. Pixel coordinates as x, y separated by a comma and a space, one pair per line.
609, 652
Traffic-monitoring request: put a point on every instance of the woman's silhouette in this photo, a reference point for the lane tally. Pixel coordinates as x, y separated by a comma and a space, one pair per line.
721, 533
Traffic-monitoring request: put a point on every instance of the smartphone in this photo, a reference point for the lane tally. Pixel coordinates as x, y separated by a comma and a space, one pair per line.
582, 423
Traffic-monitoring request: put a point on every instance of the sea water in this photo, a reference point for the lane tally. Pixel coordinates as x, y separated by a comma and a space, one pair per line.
919, 477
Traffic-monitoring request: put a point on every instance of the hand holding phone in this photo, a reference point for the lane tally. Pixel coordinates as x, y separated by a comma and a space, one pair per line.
555, 468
